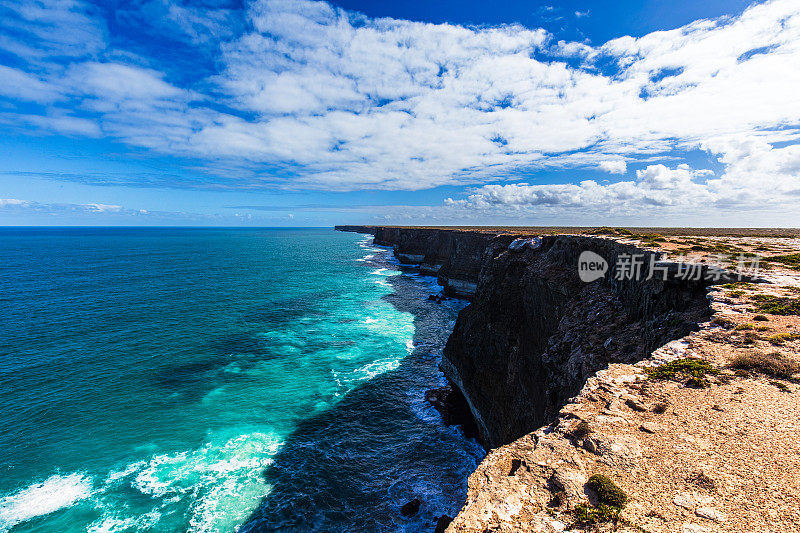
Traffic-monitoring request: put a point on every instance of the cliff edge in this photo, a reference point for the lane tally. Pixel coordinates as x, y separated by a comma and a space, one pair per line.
557, 373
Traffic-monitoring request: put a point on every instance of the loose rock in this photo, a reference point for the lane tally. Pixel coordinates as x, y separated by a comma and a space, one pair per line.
710, 513
649, 427
411, 508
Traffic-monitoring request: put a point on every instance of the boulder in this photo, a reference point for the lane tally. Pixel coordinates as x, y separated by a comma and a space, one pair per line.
411, 508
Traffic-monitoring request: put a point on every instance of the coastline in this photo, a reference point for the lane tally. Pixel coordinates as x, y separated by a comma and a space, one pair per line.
532, 460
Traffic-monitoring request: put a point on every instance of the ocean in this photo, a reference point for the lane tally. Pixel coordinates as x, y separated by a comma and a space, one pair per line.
220, 380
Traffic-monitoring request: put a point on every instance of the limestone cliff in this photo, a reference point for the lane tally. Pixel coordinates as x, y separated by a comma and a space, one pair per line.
454, 256
552, 371
534, 331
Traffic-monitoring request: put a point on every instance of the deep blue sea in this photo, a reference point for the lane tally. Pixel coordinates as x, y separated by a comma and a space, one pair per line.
215, 380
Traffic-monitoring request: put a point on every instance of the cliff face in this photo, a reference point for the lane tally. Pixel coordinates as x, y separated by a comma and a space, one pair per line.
370, 230
454, 256
534, 331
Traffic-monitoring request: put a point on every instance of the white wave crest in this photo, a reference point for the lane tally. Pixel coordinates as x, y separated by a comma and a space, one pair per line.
222, 481
56, 492
112, 524
371, 370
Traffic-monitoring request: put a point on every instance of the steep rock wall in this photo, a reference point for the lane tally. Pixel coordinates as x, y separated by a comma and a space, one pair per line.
454, 256
535, 332
370, 230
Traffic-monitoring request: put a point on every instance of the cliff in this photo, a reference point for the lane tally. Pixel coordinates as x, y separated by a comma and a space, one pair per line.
534, 331
552, 370
454, 256
369, 230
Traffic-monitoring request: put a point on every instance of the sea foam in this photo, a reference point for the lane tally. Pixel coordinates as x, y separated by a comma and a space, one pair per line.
224, 482
56, 492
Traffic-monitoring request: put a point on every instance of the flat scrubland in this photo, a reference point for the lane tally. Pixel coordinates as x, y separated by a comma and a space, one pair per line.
667, 232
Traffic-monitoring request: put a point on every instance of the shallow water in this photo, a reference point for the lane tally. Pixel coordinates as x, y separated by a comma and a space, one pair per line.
197, 380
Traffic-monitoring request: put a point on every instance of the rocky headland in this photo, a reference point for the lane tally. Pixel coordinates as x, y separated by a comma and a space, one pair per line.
680, 389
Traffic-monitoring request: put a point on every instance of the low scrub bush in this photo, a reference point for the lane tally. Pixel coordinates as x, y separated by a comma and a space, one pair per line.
774, 364
690, 370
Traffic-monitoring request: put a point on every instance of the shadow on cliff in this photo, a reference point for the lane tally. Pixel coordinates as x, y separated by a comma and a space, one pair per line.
352, 467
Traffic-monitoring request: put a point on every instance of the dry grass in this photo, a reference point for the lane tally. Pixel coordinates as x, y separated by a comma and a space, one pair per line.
668, 232
773, 364
781, 338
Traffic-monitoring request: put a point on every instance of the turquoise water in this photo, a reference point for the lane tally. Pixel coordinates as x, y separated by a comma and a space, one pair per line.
218, 380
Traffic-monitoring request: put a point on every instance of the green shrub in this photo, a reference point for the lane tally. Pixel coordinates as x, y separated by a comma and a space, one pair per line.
737, 285
610, 231
587, 515
790, 260
608, 493
776, 305
691, 370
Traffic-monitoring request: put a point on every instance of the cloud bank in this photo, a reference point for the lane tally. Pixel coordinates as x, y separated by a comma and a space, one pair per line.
305, 95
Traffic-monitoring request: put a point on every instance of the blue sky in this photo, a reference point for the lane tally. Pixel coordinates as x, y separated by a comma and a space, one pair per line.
289, 112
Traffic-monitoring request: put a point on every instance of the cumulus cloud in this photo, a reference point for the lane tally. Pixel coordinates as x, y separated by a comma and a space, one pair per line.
306, 95
758, 176
656, 185
613, 166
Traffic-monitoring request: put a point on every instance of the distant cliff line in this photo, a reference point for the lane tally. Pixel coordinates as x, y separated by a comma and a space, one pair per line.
584, 230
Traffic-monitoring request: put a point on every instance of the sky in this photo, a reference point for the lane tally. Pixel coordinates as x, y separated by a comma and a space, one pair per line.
304, 113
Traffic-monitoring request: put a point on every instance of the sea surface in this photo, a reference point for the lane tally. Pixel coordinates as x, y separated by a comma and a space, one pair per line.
220, 380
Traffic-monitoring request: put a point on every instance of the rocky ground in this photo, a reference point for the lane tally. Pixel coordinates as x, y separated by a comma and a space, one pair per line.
709, 441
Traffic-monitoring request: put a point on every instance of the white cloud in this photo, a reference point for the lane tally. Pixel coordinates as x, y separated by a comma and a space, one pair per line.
17, 204
12, 202
338, 101
23, 86
51, 28
58, 122
15, 212
758, 176
116, 82
103, 208
613, 166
